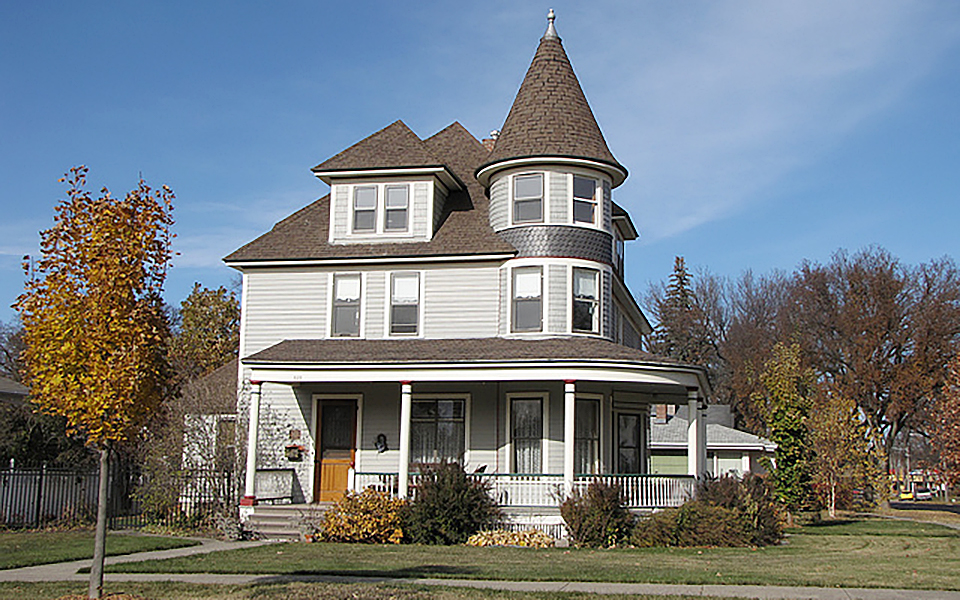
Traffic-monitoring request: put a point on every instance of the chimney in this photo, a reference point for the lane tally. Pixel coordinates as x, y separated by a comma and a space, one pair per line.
661, 414
491, 141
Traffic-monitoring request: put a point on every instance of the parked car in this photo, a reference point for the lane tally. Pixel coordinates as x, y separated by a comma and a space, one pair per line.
922, 494
906, 495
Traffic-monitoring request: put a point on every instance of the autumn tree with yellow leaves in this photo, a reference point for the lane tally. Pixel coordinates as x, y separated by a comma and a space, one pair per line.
95, 330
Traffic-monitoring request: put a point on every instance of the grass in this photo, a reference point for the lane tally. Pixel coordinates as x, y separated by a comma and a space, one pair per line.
296, 591
28, 548
871, 553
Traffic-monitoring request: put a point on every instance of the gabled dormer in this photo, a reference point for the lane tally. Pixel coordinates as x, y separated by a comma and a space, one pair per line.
386, 188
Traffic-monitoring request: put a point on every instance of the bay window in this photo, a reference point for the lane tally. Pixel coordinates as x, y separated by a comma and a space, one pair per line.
584, 200
527, 299
586, 300
528, 198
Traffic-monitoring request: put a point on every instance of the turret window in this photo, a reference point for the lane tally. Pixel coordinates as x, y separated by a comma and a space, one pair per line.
586, 301
528, 198
527, 299
584, 200
365, 208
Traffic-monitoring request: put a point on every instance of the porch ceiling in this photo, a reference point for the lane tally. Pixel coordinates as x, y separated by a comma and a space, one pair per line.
483, 359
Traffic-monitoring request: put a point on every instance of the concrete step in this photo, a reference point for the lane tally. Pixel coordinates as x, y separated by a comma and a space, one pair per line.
285, 521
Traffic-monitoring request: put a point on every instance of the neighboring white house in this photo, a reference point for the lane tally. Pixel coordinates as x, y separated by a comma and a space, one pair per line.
729, 451
452, 299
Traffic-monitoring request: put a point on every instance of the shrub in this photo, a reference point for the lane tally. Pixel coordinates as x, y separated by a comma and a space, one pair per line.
370, 517
448, 507
597, 519
726, 512
529, 538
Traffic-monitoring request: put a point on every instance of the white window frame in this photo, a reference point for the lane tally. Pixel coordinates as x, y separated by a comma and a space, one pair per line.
513, 199
467, 407
388, 311
598, 313
387, 209
380, 210
332, 286
513, 298
596, 201
544, 398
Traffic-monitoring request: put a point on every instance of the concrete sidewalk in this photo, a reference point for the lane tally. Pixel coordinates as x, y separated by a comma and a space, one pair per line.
69, 572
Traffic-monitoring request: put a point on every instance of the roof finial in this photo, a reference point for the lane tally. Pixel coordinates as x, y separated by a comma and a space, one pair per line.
551, 30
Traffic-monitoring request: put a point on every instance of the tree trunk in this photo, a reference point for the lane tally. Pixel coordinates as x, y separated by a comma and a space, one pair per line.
833, 500
100, 540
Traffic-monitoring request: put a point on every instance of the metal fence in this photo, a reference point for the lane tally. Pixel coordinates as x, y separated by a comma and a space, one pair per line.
44, 496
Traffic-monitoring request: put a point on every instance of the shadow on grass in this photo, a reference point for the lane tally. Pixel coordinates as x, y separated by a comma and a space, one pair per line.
427, 571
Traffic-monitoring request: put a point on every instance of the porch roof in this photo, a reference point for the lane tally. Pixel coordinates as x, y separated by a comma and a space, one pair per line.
496, 358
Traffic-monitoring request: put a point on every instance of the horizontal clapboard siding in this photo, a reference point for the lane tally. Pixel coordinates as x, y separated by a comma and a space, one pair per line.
284, 304
461, 302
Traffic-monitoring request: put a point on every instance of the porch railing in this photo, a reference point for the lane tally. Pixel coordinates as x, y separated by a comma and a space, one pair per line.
523, 490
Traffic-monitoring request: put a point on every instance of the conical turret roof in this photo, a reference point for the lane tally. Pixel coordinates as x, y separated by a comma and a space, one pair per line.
550, 116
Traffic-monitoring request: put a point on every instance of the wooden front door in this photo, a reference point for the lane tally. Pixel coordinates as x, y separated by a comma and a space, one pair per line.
336, 437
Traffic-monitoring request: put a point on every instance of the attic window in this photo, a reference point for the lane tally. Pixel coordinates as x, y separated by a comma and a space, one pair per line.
365, 208
395, 213
528, 198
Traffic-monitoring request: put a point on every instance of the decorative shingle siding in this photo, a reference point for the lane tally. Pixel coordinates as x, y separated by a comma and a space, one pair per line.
500, 204
341, 211
608, 304
374, 310
607, 207
559, 200
559, 299
560, 241
284, 304
461, 302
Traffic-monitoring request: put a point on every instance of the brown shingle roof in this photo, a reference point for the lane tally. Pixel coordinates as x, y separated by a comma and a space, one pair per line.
394, 146
464, 227
340, 351
550, 115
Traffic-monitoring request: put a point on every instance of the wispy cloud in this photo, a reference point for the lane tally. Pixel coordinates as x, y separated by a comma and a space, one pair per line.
753, 91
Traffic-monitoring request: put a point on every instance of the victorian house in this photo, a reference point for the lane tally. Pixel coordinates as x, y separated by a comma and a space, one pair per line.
458, 300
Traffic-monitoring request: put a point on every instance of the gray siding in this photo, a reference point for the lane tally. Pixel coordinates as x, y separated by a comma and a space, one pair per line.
375, 308
439, 198
504, 302
341, 213
607, 208
282, 410
284, 304
607, 305
559, 201
461, 302
421, 226
500, 204
559, 299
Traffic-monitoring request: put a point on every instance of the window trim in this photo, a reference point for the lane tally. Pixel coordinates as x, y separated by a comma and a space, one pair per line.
544, 398
388, 310
380, 209
513, 298
332, 304
598, 313
387, 209
467, 407
513, 198
596, 202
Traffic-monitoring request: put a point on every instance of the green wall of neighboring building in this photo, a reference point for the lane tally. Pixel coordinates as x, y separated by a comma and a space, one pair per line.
668, 463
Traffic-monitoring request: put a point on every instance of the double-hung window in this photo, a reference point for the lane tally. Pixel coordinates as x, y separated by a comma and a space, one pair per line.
346, 305
528, 198
437, 430
586, 436
584, 200
396, 204
404, 303
527, 299
526, 434
586, 300
364, 208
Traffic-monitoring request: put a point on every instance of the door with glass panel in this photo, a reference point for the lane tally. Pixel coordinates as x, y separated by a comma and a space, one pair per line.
336, 441
632, 443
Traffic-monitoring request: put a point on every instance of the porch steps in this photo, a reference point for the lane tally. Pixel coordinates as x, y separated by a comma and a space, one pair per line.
285, 521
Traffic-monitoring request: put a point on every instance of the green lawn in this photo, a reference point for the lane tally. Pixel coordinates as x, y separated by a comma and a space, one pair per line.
296, 591
872, 553
27, 548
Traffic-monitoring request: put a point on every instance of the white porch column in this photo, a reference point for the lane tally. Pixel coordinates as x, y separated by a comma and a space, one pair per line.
569, 432
406, 407
696, 436
250, 482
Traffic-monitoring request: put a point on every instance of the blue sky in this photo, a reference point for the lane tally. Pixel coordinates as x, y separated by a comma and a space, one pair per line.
757, 134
